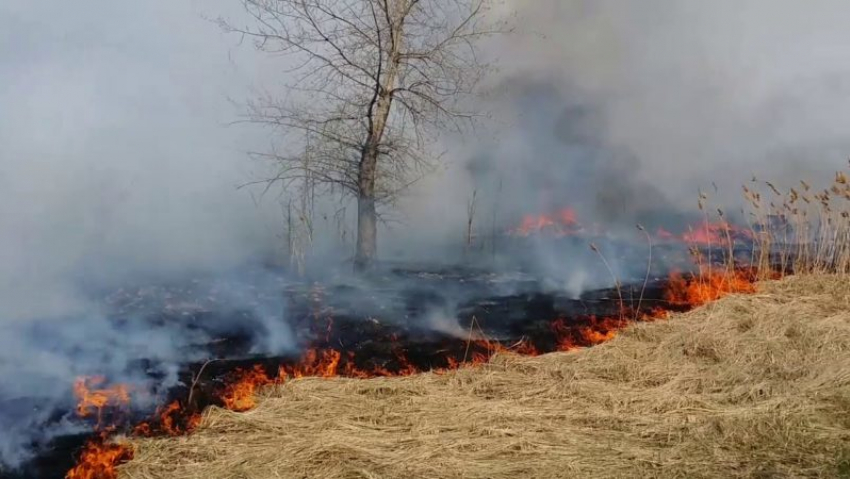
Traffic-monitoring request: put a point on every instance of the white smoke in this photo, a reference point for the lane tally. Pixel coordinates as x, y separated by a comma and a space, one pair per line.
116, 165
674, 95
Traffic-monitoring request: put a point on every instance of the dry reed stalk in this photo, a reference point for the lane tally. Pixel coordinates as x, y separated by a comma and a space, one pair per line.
614, 277
648, 271
820, 243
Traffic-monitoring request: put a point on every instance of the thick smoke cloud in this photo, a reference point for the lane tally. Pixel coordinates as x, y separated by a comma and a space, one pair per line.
115, 164
113, 153
652, 100
624, 111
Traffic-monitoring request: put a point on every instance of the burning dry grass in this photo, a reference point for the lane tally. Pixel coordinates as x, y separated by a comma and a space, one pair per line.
749, 386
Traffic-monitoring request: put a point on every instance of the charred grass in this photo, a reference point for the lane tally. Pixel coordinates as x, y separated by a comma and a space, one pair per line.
749, 386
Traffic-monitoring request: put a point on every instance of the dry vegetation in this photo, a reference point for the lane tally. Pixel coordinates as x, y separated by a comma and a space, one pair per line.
749, 386
809, 230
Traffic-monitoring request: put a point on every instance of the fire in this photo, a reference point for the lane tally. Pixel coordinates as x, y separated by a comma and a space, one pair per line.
172, 420
565, 223
594, 337
719, 233
323, 364
707, 233
653, 313
709, 287
99, 458
524, 348
239, 395
561, 223
93, 398
597, 331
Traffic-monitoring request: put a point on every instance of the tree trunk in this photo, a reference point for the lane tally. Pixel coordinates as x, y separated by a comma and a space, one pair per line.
367, 218
367, 234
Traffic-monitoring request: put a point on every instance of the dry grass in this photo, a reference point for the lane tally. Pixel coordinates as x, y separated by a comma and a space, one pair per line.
750, 386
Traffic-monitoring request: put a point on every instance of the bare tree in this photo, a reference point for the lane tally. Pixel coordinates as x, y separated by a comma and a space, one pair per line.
373, 83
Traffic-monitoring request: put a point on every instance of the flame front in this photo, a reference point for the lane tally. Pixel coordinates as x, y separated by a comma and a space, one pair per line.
171, 420
239, 395
718, 233
100, 457
565, 222
697, 291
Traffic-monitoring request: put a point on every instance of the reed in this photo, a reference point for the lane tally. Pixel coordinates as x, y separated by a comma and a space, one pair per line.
801, 232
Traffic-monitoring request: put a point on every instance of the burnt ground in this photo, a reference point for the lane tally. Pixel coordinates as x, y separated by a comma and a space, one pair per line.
418, 314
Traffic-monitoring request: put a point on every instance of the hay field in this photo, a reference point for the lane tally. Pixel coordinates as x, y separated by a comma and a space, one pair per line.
749, 386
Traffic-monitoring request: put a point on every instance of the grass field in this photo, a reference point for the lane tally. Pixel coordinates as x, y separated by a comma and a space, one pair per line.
749, 386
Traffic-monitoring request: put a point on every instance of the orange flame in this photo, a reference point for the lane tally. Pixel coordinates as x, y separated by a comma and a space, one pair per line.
707, 233
323, 364
565, 223
98, 460
172, 421
239, 394
698, 291
599, 330
93, 398
719, 233
594, 337
562, 223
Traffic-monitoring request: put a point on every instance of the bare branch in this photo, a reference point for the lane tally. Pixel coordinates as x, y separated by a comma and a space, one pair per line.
371, 85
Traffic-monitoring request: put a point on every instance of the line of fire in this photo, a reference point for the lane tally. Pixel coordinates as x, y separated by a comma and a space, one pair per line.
407, 320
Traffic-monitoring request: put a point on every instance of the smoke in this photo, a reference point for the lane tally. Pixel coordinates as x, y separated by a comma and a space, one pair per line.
624, 111
116, 167
113, 154
698, 91
141, 339
624, 107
